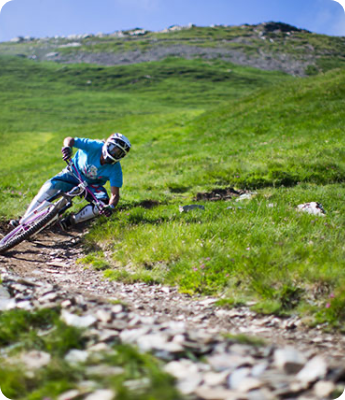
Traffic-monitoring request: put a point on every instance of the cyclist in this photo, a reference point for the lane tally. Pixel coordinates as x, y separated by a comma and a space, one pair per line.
97, 162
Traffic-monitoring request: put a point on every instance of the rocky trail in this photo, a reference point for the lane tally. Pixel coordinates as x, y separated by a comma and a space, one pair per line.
198, 341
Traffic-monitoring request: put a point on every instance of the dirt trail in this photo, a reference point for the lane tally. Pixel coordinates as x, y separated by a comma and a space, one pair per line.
50, 258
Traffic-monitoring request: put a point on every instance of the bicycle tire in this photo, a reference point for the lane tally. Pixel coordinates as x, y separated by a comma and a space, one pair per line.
32, 230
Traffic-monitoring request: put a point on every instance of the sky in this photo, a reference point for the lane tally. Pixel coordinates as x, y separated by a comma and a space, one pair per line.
41, 18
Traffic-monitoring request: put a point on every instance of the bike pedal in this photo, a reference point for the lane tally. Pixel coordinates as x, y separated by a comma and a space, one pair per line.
66, 223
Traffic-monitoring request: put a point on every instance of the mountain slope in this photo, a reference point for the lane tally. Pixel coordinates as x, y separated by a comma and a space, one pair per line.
197, 126
269, 46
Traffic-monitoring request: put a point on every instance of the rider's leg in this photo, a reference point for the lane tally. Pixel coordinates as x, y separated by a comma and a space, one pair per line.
89, 211
64, 181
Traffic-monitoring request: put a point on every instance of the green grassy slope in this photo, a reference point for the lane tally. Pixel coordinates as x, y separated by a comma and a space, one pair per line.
43, 103
287, 142
195, 125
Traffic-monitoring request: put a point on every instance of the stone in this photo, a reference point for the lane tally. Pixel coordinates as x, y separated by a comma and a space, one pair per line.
107, 335
101, 394
289, 360
70, 395
277, 379
24, 305
7, 304
118, 325
207, 393
72, 44
4, 294
215, 378
248, 384
35, 359
313, 208
52, 54
189, 384
103, 316
315, 369
237, 377
66, 303
172, 347
150, 342
323, 389
261, 394
132, 335
48, 297
245, 196
221, 362
76, 356
190, 208
259, 369
208, 302
181, 369
17, 39
77, 321
99, 347
117, 308
57, 262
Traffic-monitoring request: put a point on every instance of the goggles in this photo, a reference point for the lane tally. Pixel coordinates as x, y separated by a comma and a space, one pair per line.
115, 151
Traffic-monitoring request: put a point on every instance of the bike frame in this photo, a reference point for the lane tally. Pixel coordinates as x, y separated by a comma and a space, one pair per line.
44, 208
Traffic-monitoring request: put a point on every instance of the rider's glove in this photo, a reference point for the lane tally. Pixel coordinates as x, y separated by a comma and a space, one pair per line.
66, 153
107, 211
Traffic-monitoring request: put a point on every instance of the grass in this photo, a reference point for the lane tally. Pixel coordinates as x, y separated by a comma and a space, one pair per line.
196, 125
43, 331
246, 340
43, 103
233, 247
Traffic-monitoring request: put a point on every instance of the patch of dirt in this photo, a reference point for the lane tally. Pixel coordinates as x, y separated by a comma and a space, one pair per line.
219, 194
35, 254
4, 228
148, 204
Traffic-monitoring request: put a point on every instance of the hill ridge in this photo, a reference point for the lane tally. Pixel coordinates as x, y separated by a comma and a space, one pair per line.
268, 46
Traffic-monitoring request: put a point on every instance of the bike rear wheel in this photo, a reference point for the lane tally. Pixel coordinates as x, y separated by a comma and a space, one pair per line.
11, 240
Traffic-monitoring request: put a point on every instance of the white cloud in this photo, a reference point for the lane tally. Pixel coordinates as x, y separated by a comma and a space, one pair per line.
342, 3
2, 3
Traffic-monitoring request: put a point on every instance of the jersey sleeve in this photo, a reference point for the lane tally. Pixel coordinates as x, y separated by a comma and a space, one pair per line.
116, 178
86, 144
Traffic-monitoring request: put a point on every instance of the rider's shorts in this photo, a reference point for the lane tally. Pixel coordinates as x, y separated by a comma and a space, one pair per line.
66, 181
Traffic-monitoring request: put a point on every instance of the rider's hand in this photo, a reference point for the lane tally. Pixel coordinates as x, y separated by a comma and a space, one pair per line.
66, 153
107, 211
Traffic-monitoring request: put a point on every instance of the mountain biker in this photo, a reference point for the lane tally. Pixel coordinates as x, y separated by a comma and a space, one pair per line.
97, 162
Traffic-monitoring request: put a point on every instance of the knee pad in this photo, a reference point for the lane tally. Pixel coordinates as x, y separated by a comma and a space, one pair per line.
46, 191
86, 213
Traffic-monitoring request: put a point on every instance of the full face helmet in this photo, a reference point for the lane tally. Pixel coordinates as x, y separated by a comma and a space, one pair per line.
115, 148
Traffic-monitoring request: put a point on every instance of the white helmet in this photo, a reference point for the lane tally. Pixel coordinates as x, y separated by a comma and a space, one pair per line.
115, 148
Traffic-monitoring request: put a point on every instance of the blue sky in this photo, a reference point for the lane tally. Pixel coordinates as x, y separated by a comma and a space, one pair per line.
41, 18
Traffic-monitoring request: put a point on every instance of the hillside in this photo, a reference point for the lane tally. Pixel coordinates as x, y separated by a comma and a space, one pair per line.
268, 46
224, 118
197, 126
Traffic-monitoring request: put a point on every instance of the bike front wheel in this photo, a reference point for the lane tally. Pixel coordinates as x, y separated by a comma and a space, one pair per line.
25, 231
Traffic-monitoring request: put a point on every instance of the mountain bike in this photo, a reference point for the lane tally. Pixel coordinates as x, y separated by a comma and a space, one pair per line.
49, 212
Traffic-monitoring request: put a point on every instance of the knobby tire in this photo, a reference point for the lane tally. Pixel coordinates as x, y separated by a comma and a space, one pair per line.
35, 228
